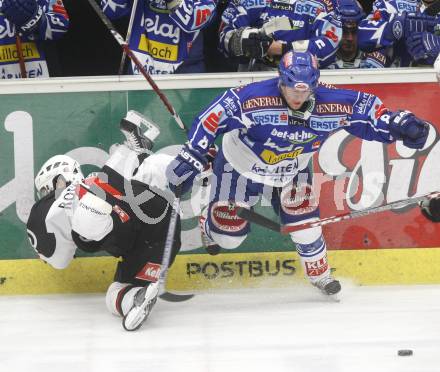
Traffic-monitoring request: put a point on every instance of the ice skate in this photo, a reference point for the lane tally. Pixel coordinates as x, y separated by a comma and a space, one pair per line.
143, 302
139, 132
328, 285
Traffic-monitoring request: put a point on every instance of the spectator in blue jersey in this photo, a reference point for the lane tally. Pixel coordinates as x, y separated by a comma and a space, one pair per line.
24, 26
271, 129
262, 33
165, 35
349, 55
404, 29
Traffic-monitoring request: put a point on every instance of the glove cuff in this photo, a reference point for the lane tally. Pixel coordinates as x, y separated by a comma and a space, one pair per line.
235, 43
193, 157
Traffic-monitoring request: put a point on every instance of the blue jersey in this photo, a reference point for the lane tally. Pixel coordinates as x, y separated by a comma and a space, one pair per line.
162, 39
269, 143
53, 25
312, 21
373, 29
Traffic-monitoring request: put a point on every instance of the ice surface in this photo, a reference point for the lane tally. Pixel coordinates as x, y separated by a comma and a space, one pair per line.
294, 329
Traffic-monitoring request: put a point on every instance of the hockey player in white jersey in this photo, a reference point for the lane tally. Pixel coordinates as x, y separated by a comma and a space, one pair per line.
103, 212
271, 130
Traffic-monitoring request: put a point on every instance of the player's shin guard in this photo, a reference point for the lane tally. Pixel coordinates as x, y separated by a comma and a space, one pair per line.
314, 262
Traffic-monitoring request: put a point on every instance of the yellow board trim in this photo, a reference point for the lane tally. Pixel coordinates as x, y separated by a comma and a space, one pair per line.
248, 270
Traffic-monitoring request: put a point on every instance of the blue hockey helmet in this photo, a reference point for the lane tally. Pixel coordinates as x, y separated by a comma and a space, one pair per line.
299, 70
350, 11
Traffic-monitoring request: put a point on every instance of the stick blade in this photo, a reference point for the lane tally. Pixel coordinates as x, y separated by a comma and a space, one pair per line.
173, 297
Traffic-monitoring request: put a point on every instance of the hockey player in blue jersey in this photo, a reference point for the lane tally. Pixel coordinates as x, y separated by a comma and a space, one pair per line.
34, 21
271, 130
402, 28
261, 35
166, 34
349, 55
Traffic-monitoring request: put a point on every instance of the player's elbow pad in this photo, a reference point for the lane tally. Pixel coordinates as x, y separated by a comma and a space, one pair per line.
92, 218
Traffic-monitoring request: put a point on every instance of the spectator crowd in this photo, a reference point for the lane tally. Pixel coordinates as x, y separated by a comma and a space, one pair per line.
42, 38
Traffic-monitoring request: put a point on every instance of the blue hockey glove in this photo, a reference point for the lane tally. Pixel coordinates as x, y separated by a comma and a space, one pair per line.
422, 45
25, 14
405, 126
404, 25
184, 168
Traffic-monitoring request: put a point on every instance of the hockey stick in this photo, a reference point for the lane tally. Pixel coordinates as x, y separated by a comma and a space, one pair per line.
127, 37
136, 61
254, 217
20, 56
364, 212
258, 219
167, 252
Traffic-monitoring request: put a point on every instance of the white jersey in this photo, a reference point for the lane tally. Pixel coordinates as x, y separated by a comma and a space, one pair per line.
57, 220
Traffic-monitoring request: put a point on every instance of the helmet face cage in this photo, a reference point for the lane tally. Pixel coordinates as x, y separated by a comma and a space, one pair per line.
52, 169
299, 71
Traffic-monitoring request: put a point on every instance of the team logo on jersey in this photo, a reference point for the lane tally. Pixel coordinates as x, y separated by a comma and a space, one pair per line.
8, 52
364, 103
298, 122
316, 268
334, 108
229, 105
282, 6
273, 145
298, 199
202, 15
324, 124
379, 110
224, 216
270, 117
316, 145
309, 8
158, 50
262, 102
270, 157
157, 27
404, 6
277, 172
251, 4
297, 137
211, 119
397, 29
150, 272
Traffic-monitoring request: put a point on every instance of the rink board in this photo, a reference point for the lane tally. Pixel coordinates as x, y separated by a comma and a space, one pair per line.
198, 272
80, 117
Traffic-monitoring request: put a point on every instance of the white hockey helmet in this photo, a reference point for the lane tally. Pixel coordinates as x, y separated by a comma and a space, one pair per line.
58, 165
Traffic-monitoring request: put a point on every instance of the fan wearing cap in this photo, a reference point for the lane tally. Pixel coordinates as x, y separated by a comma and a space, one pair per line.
271, 129
349, 55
